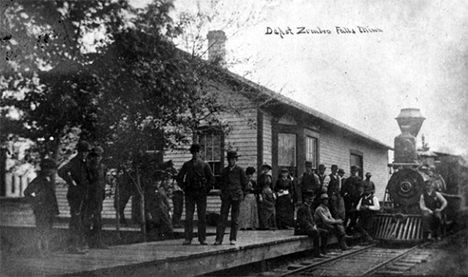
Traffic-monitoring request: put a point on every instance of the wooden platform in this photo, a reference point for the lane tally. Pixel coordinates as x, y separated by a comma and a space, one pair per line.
162, 258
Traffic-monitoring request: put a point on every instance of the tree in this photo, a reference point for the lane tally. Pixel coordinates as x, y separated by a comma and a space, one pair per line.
44, 79
135, 85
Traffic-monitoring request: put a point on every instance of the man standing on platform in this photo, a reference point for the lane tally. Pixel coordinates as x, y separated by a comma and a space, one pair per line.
75, 174
97, 173
305, 225
308, 183
333, 184
350, 192
196, 179
369, 186
321, 174
233, 183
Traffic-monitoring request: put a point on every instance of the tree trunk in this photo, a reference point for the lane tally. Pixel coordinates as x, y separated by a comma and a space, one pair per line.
142, 203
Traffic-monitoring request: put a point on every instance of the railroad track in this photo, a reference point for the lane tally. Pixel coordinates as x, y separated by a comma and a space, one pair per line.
359, 261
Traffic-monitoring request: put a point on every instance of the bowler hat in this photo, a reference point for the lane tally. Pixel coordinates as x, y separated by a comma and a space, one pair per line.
284, 169
368, 174
48, 164
307, 163
354, 168
232, 154
341, 170
265, 165
308, 194
195, 148
334, 166
322, 167
83, 146
324, 196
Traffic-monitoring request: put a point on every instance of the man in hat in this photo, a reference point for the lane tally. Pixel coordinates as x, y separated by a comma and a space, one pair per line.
308, 183
326, 221
97, 173
321, 174
305, 225
75, 174
233, 183
350, 192
366, 208
332, 183
341, 173
196, 179
368, 185
431, 203
41, 191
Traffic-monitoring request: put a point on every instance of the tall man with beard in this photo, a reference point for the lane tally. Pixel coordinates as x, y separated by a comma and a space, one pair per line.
75, 174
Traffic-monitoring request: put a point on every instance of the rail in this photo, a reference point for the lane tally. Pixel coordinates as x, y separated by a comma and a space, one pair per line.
350, 262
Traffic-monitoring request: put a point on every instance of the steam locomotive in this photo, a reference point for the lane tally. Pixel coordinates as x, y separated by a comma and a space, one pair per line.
400, 221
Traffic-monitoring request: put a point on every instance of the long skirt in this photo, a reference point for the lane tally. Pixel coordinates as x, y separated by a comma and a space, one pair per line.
284, 212
248, 214
266, 215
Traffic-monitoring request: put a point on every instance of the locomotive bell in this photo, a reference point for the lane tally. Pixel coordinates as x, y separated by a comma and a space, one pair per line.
412, 119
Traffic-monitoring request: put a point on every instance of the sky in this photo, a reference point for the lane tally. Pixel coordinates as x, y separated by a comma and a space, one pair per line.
418, 60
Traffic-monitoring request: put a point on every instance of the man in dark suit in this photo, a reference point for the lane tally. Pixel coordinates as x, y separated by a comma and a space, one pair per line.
351, 196
75, 174
92, 217
196, 179
233, 183
305, 225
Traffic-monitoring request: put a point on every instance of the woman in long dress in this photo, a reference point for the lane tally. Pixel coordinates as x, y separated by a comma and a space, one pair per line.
284, 204
248, 214
266, 200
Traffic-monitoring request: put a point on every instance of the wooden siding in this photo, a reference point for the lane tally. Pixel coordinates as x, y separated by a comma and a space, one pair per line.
240, 117
335, 149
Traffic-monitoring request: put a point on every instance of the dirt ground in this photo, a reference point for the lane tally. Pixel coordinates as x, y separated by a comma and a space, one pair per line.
449, 257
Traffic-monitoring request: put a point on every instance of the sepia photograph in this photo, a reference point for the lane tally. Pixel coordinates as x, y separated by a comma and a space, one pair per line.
233, 138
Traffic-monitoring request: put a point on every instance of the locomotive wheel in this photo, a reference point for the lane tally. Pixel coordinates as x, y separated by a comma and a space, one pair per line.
406, 186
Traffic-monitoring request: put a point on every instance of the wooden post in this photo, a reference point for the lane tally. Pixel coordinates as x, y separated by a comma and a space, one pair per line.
117, 203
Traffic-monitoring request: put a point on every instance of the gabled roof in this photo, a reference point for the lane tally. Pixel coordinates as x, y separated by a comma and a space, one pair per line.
292, 103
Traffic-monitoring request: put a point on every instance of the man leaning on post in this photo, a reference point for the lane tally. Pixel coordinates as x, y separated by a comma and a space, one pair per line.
196, 179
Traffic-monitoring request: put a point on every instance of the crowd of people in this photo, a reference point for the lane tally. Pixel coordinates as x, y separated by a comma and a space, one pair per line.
314, 204
323, 203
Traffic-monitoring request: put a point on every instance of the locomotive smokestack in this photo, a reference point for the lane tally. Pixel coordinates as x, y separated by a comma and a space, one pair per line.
412, 118
410, 122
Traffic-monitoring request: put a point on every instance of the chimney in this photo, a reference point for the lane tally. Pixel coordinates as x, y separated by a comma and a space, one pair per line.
217, 47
